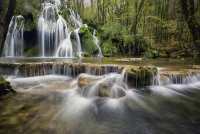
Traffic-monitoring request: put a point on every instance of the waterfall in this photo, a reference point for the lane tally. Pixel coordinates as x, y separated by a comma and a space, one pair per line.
46, 29
65, 48
76, 19
79, 47
54, 36
13, 46
52, 30
96, 41
166, 76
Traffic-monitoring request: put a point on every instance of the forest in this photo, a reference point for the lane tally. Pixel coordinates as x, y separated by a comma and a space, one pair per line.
154, 28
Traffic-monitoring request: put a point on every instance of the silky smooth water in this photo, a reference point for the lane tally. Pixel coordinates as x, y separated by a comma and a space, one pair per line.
14, 43
61, 105
97, 43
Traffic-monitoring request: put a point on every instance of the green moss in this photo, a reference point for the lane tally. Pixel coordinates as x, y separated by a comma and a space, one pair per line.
5, 87
87, 40
31, 52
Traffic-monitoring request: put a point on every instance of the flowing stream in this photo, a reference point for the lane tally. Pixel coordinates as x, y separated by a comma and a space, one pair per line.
102, 104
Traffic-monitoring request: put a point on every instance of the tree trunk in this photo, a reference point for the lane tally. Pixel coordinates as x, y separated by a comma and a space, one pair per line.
1, 6
139, 5
5, 20
188, 10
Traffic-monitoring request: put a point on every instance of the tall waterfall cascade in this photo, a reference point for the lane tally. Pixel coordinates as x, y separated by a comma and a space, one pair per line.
54, 33
14, 43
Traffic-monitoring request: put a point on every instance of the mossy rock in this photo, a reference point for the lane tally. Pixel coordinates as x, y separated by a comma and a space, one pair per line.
87, 41
86, 82
5, 87
140, 76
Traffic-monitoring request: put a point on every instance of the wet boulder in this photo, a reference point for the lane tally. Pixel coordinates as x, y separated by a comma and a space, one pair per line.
85, 80
101, 86
105, 90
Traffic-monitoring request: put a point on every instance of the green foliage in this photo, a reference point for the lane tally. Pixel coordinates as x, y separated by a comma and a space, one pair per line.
109, 49
30, 10
88, 44
116, 35
152, 54
113, 30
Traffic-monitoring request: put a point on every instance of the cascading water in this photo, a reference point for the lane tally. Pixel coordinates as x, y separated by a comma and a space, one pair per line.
14, 44
103, 100
53, 32
96, 41
46, 29
109, 85
54, 36
76, 19
167, 77
62, 32
65, 48
79, 48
